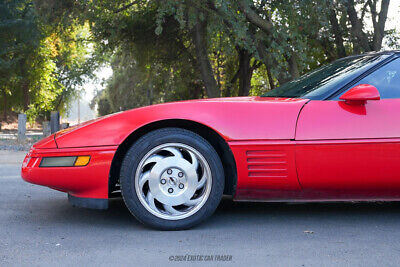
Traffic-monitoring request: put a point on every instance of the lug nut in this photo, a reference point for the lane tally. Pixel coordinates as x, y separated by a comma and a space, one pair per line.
163, 181
170, 190
169, 171
181, 186
180, 174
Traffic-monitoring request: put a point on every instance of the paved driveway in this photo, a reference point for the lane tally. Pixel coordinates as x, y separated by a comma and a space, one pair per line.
38, 227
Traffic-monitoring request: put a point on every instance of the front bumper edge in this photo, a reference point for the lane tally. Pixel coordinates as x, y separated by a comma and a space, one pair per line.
89, 203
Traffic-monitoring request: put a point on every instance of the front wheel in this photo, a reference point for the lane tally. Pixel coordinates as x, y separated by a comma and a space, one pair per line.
172, 179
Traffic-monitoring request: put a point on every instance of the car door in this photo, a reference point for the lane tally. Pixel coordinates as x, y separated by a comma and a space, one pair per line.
349, 151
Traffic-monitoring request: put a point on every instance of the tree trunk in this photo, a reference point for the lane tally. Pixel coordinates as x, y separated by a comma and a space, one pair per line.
379, 26
4, 105
283, 78
206, 71
195, 90
270, 79
150, 93
150, 87
357, 26
254, 18
25, 93
245, 72
329, 49
337, 32
24, 86
231, 84
293, 66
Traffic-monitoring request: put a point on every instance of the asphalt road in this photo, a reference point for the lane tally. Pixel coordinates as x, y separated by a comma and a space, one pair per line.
38, 227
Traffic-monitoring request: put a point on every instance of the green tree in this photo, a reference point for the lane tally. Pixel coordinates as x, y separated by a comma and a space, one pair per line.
235, 44
42, 62
179, 49
19, 36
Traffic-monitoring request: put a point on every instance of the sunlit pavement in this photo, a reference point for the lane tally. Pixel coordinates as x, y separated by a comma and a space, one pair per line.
39, 227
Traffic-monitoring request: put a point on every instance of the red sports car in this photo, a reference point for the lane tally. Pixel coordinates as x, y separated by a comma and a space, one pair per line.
333, 134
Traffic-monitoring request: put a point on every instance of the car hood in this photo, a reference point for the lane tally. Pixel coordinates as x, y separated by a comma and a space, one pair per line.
234, 118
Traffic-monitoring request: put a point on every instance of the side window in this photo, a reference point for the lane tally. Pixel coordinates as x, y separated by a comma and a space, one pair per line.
386, 79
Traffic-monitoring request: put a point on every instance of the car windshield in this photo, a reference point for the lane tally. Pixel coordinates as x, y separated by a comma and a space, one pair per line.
325, 80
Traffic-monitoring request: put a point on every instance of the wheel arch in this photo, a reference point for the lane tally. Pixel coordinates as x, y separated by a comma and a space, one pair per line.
215, 139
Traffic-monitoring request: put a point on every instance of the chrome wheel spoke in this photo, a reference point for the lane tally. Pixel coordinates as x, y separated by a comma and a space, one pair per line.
150, 200
195, 162
201, 182
193, 202
172, 210
144, 178
174, 151
153, 159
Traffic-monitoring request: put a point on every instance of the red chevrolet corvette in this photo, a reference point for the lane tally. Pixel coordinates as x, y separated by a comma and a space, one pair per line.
333, 134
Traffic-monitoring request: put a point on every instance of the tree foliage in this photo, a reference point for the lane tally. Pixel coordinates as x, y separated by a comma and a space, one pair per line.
176, 49
41, 63
226, 48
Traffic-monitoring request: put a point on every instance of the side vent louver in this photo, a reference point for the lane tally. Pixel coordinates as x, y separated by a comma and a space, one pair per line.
267, 163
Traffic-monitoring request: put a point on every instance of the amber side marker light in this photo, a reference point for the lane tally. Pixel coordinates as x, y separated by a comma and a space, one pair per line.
75, 161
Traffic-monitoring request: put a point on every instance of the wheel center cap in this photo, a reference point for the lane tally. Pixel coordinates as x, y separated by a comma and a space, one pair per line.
173, 181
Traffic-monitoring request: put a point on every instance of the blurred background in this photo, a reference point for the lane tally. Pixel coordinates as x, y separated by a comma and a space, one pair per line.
94, 57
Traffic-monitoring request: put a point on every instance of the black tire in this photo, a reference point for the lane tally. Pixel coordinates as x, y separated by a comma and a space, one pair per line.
151, 140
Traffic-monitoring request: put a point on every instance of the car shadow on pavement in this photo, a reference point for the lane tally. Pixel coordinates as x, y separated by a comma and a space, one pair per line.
232, 214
